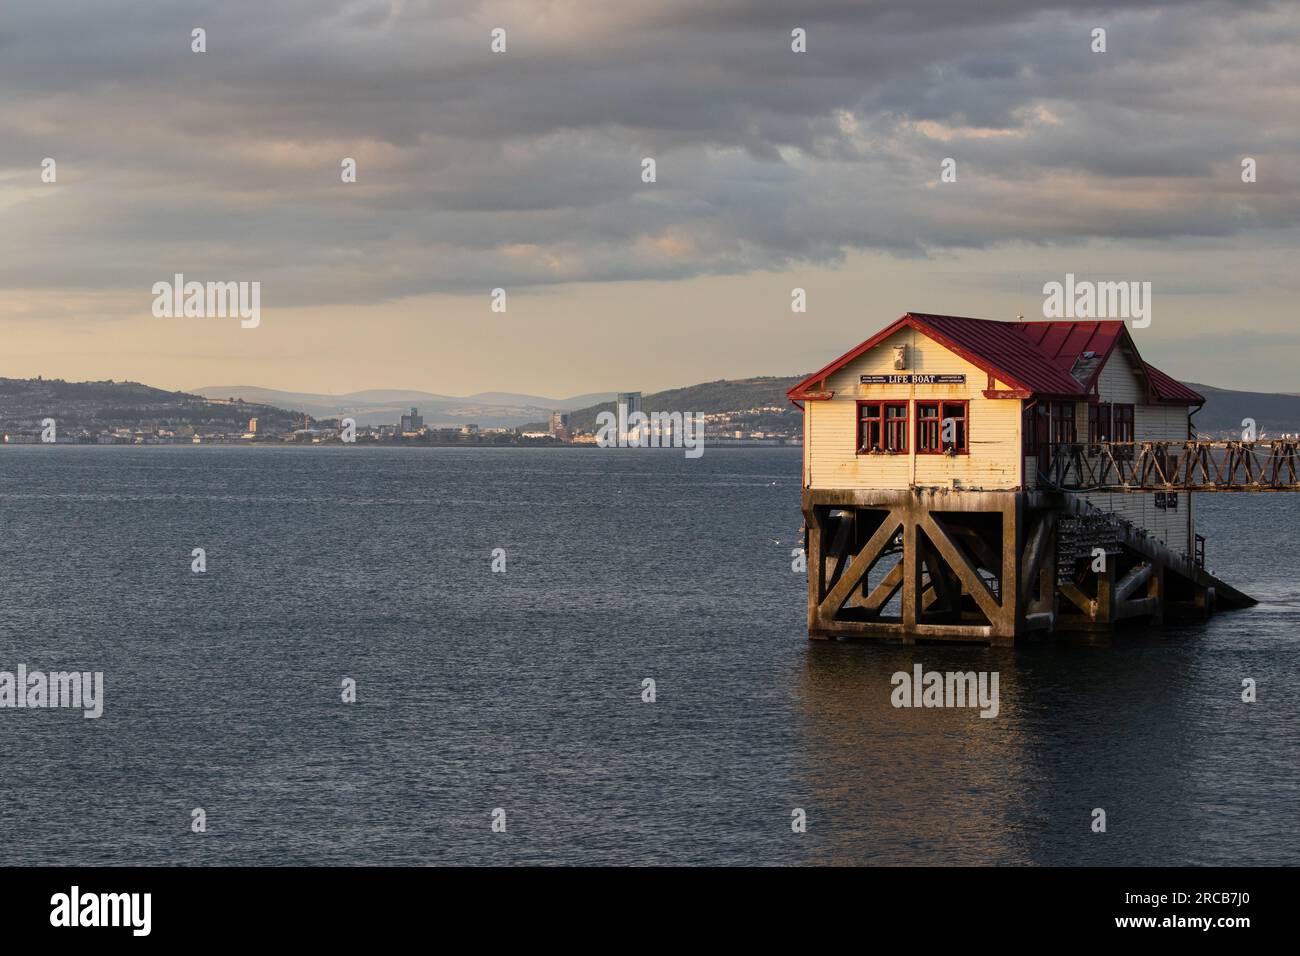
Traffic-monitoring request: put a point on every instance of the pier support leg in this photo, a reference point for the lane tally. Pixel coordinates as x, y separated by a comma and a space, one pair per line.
911, 579
816, 563
1156, 592
1103, 613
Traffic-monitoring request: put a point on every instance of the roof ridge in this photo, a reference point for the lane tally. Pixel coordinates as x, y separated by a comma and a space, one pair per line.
1068, 321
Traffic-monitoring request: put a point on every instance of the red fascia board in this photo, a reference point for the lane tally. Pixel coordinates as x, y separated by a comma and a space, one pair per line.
803, 389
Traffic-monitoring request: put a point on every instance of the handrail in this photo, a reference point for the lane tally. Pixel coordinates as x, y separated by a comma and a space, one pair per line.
1173, 466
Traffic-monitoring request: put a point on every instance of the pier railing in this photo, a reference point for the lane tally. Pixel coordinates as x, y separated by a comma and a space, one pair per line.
1173, 466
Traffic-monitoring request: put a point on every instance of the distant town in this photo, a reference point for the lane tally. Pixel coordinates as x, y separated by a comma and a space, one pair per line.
752, 411
107, 413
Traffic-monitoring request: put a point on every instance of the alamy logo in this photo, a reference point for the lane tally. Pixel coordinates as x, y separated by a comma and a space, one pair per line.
655, 430
1098, 300
75, 908
77, 690
952, 689
211, 300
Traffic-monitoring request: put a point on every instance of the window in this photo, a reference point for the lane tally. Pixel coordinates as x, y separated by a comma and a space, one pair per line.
896, 427
1123, 423
1037, 424
957, 413
870, 426
1099, 422
882, 426
941, 428
927, 428
1063, 423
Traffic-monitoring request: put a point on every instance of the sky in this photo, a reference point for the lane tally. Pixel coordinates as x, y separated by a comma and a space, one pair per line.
522, 170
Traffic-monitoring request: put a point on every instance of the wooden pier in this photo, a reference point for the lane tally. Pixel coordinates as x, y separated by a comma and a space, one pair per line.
968, 480
991, 567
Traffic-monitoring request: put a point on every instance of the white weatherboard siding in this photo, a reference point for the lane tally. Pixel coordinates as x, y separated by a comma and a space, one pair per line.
1139, 507
1121, 382
831, 425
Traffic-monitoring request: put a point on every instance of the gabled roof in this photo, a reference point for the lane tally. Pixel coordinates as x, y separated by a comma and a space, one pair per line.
1171, 390
1042, 359
1002, 349
1068, 344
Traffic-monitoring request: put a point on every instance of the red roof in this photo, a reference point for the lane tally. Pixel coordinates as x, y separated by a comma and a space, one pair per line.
1042, 359
1169, 389
1064, 343
1002, 349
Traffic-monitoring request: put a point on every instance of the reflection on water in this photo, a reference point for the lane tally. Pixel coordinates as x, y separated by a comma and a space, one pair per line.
1150, 729
911, 785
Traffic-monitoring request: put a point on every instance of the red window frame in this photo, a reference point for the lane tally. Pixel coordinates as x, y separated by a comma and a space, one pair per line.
929, 426
892, 429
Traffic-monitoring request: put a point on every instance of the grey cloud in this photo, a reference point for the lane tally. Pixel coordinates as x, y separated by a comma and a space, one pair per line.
479, 170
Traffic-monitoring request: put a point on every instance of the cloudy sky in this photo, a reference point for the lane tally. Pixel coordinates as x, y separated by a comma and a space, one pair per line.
522, 170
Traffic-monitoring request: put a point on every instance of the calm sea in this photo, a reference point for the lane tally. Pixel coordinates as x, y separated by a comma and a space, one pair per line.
522, 690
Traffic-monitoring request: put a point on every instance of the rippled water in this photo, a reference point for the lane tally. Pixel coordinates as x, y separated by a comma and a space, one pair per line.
522, 690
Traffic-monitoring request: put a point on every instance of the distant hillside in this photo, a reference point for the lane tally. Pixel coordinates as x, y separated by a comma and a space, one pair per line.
558, 404
378, 406
18, 391
1224, 410
724, 395
752, 403
99, 405
1274, 413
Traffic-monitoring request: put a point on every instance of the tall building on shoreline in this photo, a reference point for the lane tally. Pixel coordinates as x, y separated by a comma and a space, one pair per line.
412, 422
560, 426
625, 405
